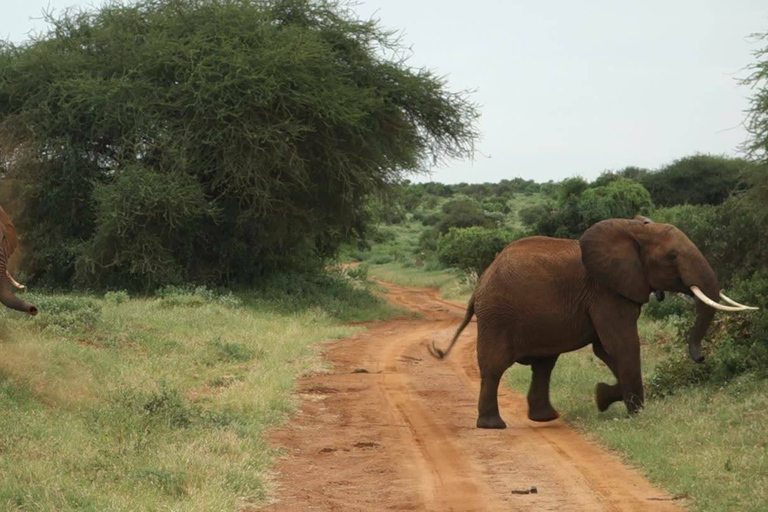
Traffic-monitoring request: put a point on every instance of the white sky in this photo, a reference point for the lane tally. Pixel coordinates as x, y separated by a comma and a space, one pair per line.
567, 87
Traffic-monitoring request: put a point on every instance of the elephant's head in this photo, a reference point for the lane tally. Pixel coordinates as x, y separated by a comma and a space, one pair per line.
7, 297
635, 258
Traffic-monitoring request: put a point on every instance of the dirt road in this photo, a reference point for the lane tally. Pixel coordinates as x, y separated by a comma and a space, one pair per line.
391, 428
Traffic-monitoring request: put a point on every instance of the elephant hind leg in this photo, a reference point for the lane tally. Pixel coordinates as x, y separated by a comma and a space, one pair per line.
494, 356
488, 406
539, 406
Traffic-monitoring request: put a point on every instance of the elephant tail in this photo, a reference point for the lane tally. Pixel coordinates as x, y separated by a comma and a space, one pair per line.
439, 353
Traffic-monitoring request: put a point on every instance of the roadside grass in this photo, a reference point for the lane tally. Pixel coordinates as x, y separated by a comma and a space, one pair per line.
450, 282
706, 444
122, 403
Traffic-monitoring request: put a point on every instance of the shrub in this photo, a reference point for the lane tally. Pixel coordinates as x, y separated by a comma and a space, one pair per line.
672, 305
463, 213
428, 241
736, 344
698, 179
580, 205
116, 297
530, 215
472, 249
68, 313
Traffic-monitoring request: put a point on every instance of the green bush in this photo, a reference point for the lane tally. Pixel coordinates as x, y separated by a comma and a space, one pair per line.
698, 179
66, 313
581, 205
672, 305
531, 215
472, 249
463, 213
736, 344
428, 241
117, 297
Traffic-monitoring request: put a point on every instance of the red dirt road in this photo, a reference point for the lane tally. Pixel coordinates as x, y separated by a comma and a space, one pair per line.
403, 436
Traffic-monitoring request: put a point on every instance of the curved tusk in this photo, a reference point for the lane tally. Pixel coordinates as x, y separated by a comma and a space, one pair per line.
733, 302
709, 302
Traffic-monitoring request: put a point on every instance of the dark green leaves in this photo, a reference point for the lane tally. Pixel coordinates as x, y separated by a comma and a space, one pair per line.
210, 140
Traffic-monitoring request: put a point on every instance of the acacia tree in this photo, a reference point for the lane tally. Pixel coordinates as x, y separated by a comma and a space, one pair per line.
210, 140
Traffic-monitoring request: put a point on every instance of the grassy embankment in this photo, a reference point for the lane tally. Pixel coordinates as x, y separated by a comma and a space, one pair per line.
707, 444
160, 403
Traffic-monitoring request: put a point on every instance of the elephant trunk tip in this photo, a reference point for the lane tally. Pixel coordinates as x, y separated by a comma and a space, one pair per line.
32, 309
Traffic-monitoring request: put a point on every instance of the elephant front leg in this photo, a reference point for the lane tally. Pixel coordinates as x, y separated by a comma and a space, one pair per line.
606, 394
619, 346
631, 383
539, 406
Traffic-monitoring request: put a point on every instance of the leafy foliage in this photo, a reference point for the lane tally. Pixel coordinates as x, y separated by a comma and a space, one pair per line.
472, 249
210, 140
757, 118
698, 179
581, 205
463, 213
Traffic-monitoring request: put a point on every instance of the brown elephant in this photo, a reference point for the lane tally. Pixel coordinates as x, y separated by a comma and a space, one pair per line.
9, 243
542, 297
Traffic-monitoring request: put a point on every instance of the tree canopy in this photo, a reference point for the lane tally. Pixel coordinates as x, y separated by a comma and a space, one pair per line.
210, 140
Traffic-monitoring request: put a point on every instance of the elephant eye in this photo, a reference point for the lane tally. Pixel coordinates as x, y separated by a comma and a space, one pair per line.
672, 255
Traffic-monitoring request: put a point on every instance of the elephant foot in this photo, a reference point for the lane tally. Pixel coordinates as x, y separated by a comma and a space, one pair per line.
605, 395
542, 414
490, 422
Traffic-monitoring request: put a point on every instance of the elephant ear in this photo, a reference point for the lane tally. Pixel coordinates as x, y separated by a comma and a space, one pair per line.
612, 257
10, 239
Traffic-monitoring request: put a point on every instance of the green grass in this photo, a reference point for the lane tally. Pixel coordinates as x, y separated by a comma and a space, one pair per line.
708, 444
154, 403
451, 283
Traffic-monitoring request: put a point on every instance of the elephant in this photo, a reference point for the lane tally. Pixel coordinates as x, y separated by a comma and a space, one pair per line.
542, 297
7, 247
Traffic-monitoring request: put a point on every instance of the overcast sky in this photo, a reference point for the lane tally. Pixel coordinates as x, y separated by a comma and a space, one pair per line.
567, 87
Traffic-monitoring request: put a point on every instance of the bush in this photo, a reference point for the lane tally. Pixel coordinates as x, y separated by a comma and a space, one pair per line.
472, 249
580, 205
116, 297
428, 241
463, 213
698, 179
736, 344
530, 215
672, 305
67, 313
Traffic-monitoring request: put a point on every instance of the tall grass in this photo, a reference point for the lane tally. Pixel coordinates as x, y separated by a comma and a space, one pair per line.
154, 403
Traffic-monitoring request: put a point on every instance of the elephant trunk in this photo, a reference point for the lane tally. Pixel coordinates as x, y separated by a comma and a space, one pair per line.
704, 277
7, 296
